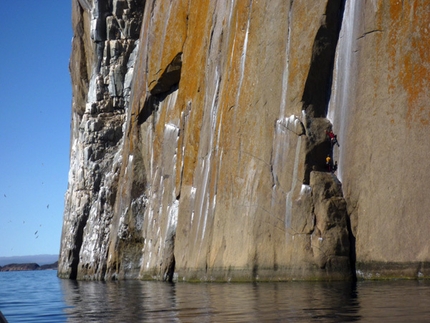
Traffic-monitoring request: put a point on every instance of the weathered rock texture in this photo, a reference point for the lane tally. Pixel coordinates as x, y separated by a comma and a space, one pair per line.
381, 110
199, 140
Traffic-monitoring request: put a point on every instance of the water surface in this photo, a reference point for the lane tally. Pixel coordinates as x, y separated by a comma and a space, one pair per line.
40, 296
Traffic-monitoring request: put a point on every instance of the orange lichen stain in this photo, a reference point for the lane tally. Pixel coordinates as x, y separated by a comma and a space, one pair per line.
195, 48
395, 31
409, 64
190, 97
157, 26
176, 31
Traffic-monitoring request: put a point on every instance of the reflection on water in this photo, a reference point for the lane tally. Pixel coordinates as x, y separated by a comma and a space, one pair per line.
133, 301
40, 296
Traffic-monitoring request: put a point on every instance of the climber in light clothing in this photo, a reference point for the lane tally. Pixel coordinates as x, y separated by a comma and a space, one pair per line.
328, 163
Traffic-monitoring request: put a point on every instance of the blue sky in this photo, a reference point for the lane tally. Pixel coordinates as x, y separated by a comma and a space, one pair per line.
35, 110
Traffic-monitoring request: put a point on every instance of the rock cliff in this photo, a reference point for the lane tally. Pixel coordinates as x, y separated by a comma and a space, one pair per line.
199, 140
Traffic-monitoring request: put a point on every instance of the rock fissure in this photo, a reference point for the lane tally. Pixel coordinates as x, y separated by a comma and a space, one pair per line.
78, 240
330, 233
370, 32
316, 94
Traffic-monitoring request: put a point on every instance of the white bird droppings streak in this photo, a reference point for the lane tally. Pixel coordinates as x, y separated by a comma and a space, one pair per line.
285, 74
206, 162
243, 56
173, 217
338, 107
289, 202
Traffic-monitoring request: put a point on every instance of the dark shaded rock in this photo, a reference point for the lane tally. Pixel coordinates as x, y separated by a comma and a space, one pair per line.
316, 94
171, 76
2, 318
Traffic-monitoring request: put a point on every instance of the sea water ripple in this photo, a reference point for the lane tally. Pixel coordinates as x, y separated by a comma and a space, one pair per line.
39, 296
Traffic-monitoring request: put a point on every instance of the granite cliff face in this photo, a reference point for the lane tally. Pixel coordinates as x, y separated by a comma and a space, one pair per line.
381, 112
199, 142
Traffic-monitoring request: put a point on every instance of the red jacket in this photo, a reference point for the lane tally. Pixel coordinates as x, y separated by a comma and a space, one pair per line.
330, 134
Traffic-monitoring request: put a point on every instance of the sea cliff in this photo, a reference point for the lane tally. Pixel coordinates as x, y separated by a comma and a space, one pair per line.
199, 141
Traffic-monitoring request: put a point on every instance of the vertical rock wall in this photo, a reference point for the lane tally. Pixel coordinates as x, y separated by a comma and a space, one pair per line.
199, 139
218, 151
381, 108
104, 48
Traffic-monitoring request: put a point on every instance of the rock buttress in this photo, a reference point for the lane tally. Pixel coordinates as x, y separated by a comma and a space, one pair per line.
101, 65
381, 111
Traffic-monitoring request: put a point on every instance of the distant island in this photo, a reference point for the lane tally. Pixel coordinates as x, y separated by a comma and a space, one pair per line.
32, 262
29, 266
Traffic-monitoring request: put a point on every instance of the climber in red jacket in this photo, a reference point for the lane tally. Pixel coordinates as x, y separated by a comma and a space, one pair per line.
333, 138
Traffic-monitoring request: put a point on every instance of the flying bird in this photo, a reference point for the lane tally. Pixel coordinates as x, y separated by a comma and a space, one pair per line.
36, 232
47, 206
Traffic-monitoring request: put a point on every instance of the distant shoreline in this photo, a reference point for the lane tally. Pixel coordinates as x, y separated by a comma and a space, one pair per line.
42, 259
28, 267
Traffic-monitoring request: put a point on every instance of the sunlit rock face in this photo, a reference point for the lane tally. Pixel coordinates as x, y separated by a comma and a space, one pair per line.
199, 141
380, 106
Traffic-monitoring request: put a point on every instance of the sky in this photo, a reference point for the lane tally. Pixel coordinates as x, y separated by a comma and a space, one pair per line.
35, 114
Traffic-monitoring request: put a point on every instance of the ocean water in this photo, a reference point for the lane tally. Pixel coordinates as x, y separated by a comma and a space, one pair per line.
39, 296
